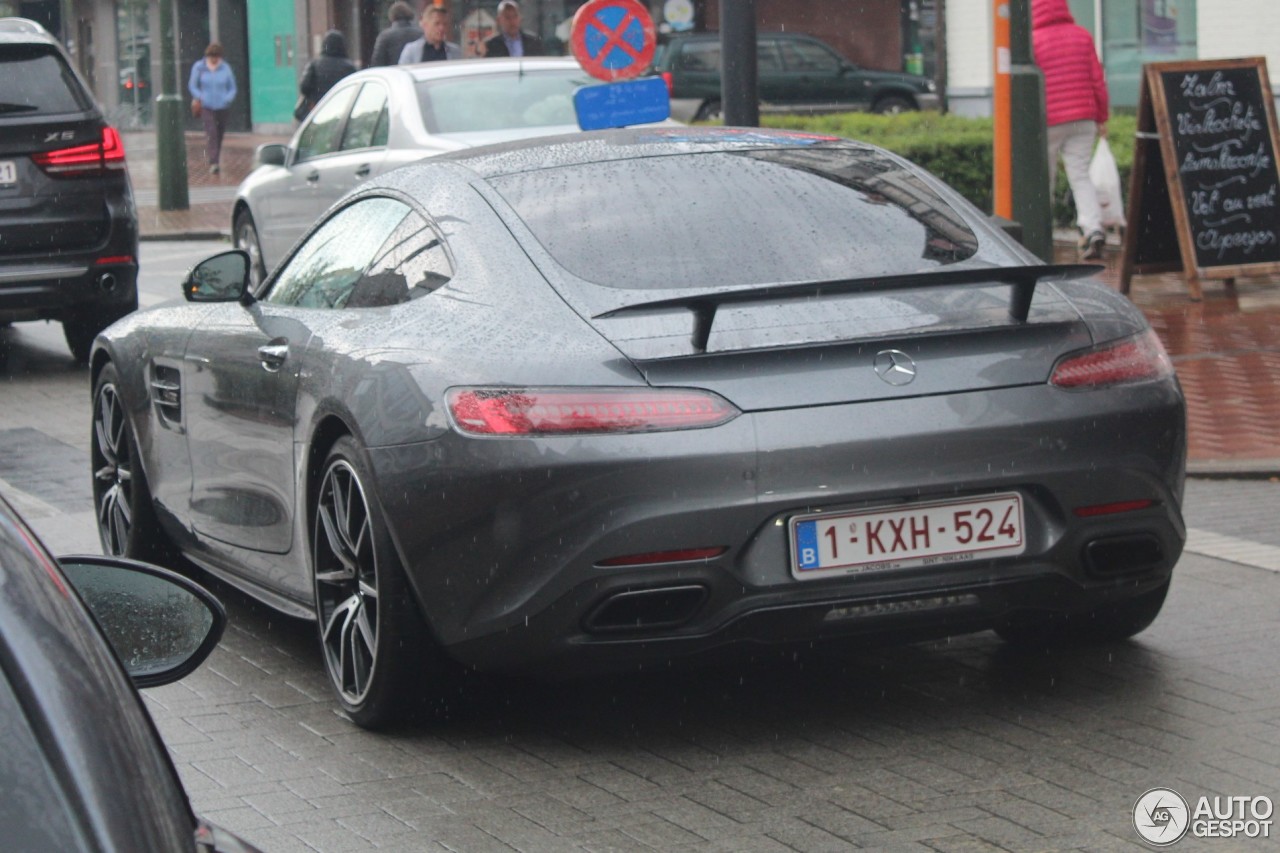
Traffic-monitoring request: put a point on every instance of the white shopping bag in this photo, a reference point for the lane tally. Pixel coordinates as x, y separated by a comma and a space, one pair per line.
1106, 180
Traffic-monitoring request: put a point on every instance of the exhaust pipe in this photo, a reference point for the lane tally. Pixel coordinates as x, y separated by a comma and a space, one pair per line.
107, 282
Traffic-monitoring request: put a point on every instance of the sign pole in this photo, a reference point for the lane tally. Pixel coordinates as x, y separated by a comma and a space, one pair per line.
738, 81
1002, 179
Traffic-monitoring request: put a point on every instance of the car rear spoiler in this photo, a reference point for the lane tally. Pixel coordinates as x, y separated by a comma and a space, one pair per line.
1022, 281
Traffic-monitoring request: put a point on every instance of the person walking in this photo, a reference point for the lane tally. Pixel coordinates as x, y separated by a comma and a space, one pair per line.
389, 43
1076, 109
434, 44
510, 39
212, 85
323, 72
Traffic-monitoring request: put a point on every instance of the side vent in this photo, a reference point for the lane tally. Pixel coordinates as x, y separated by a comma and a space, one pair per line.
166, 394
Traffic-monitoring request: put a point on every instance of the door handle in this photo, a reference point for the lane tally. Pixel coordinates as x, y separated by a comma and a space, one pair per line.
272, 355
314, 177
363, 171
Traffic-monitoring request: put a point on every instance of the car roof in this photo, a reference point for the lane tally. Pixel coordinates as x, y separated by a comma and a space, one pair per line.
25, 31
422, 71
574, 149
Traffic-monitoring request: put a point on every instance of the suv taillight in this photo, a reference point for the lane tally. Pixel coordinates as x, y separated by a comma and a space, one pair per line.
669, 80
1135, 359
80, 161
570, 411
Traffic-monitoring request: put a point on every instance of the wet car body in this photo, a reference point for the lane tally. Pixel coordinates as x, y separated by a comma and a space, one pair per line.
84, 767
624, 546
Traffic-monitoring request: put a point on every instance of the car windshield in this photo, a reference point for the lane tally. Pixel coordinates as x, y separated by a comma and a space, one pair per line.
737, 218
34, 80
480, 102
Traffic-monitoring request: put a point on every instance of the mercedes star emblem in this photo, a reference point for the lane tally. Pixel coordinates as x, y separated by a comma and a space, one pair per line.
895, 367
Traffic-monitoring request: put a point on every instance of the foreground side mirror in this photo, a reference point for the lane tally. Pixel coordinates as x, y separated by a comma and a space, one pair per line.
221, 278
160, 624
271, 154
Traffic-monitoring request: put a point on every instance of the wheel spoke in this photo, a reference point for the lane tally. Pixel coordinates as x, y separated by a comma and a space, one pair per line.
337, 547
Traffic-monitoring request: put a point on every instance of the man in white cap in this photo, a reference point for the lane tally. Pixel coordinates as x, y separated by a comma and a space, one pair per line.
511, 40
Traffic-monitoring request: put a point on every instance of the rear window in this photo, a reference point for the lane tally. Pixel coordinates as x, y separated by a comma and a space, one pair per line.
501, 101
716, 219
35, 80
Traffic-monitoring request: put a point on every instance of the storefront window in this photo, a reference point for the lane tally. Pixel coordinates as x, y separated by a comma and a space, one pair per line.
133, 49
1140, 31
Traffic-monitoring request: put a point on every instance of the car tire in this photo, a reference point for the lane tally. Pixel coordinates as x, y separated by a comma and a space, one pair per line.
246, 239
1110, 623
123, 508
709, 111
372, 635
80, 330
892, 105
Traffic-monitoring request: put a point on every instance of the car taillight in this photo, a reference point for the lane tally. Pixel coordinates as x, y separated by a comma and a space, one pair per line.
96, 158
1131, 360
567, 411
670, 81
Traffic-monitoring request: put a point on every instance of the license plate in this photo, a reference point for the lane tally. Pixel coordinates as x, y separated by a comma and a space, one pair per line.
905, 536
8, 173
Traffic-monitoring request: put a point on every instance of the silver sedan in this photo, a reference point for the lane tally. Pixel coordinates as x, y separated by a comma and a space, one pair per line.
381, 118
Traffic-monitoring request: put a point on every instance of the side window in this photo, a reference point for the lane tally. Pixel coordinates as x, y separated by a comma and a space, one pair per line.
767, 59
807, 56
320, 136
410, 264
327, 268
700, 56
367, 116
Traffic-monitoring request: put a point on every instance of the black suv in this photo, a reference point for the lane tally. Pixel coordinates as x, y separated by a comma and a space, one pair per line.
68, 225
797, 74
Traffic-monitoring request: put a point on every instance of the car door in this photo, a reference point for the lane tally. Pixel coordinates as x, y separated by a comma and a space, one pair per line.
310, 186
816, 76
243, 367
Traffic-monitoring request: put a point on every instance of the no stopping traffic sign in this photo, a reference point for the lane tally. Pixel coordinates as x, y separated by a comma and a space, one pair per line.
613, 39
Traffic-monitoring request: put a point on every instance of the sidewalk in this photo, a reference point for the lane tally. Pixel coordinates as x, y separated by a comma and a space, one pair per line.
1226, 348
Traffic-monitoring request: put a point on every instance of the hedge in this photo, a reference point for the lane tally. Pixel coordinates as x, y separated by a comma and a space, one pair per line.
956, 149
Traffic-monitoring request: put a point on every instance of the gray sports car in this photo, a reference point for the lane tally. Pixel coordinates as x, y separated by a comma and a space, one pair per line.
616, 399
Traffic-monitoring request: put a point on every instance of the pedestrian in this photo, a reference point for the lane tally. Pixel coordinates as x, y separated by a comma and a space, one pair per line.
403, 29
1076, 109
510, 39
323, 72
434, 44
213, 87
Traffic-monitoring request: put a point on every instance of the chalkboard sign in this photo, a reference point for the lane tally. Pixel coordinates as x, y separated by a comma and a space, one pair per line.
1205, 189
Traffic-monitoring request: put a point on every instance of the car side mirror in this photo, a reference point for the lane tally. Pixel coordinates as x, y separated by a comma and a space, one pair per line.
271, 154
221, 278
848, 68
160, 624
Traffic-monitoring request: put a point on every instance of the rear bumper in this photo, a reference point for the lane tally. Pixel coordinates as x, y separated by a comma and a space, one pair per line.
57, 289
503, 540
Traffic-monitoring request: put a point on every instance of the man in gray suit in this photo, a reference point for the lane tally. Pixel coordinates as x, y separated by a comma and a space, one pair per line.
433, 45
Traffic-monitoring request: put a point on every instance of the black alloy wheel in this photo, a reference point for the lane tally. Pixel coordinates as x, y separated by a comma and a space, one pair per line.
710, 111
893, 105
370, 626
126, 519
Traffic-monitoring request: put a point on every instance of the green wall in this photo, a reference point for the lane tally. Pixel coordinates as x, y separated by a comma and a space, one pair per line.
273, 43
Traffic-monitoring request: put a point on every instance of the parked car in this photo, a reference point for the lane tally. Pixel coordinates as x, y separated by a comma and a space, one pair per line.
83, 767
354, 134
795, 74
68, 226
622, 398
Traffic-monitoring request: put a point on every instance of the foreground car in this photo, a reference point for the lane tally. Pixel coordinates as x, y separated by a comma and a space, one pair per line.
82, 766
381, 118
68, 226
616, 399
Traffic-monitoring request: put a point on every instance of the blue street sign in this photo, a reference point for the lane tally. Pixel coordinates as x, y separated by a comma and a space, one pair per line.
622, 104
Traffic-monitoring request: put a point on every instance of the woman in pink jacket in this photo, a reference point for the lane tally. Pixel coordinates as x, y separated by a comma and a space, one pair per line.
1076, 107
